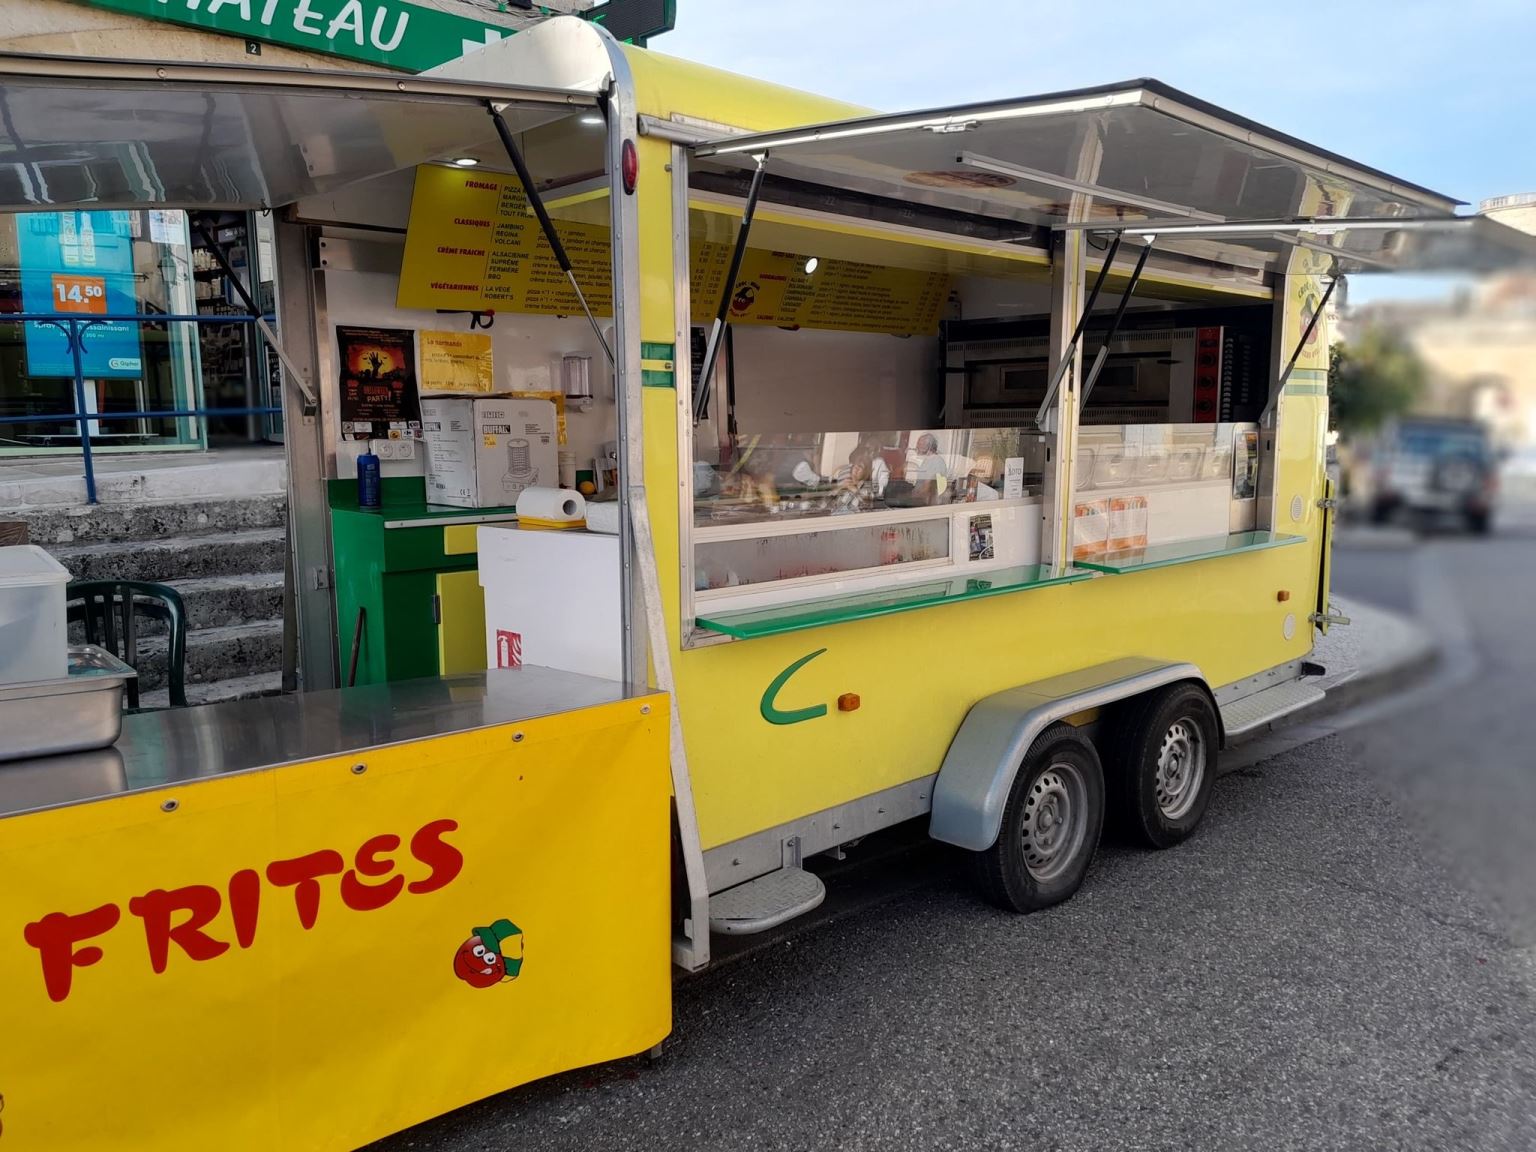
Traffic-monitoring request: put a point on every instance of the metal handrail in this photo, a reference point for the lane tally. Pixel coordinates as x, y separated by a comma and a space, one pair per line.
166, 414
75, 326
88, 318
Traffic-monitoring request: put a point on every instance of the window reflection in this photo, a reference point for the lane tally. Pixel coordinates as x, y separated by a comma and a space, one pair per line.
783, 476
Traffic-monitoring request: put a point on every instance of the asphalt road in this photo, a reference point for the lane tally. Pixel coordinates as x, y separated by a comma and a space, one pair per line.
1342, 958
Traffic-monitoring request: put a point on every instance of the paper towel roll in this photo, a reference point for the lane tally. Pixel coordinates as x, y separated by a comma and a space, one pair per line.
552, 505
603, 517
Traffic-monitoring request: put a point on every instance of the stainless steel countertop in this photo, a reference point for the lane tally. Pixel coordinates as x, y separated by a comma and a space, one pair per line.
180, 745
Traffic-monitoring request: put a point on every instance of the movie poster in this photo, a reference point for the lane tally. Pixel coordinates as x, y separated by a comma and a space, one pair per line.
379, 397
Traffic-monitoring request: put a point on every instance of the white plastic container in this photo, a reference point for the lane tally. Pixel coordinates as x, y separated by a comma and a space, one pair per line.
34, 641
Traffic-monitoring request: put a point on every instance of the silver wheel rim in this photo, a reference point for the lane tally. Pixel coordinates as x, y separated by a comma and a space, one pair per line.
1180, 769
1055, 821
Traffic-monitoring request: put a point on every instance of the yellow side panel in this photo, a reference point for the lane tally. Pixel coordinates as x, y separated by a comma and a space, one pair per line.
918, 674
460, 539
461, 623
310, 992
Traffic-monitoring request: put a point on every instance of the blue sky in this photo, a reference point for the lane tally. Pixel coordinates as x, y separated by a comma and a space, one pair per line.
1439, 93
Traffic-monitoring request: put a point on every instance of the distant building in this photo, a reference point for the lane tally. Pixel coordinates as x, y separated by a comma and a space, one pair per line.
1479, 345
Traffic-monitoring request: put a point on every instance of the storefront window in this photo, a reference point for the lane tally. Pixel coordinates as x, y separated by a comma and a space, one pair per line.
76, 266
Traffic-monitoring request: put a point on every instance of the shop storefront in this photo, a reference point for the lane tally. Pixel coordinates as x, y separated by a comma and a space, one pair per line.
140, 265
95, 287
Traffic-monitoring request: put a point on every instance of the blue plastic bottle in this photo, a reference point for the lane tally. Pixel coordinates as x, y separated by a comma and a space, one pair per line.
368, 480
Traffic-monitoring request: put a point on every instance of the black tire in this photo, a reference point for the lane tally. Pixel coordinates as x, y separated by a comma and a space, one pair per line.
1165, 765
1381, 511
1051, 825
1479, 523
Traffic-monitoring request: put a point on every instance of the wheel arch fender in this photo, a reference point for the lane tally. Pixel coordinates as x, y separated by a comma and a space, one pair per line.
984, 758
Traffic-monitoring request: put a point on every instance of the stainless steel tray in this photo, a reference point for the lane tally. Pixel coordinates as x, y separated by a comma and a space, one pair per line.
76, 714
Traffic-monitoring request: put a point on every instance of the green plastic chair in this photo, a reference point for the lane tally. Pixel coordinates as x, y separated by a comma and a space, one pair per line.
108, 610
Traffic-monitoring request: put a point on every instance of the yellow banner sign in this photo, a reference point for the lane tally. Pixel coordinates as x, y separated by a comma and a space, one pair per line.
775, 288
473, 246
318, 955
457, 362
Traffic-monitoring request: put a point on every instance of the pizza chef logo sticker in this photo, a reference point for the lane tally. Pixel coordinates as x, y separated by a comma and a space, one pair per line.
490, 956
746, 296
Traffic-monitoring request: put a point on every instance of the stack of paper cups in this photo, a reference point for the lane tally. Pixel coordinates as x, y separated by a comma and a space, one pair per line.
567, 468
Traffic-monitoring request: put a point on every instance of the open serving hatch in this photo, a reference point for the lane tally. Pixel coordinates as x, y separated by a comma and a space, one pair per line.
122, 135
1137, 158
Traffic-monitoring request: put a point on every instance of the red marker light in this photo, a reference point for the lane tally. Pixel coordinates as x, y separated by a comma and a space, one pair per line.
629, 167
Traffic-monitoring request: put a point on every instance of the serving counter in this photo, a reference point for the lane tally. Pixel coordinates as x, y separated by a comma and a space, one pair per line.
175, 746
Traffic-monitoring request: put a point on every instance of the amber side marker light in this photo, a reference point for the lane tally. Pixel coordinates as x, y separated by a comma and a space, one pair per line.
1282, 595
848, 702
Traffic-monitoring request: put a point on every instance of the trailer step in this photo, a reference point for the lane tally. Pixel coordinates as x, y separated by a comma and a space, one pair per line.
766, 902
1253, 712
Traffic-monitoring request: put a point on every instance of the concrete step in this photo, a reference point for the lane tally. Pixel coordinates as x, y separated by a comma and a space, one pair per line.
36, 485
178, 558
85, 523
223, 601
216, 654
240, 688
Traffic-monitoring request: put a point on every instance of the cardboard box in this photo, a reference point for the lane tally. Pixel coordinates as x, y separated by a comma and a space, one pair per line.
482, 452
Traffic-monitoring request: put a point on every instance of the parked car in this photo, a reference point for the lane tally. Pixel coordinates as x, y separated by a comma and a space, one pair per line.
1435, 468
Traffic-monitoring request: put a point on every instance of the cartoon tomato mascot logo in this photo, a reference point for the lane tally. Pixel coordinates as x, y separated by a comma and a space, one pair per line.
490, 956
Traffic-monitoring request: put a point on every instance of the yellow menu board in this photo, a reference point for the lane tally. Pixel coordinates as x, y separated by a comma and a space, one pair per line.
774, 288
457, 362
473, 246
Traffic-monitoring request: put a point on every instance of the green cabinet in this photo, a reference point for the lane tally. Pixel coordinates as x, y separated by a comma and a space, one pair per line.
408, 568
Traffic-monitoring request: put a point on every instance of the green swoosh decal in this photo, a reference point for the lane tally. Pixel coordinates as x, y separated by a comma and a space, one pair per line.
774, 715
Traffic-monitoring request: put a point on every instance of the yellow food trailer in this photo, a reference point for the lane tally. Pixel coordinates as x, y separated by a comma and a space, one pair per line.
969, 472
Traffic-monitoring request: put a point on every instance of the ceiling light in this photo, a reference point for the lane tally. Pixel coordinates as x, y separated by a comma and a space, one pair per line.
592, 118
464, 162
811, 265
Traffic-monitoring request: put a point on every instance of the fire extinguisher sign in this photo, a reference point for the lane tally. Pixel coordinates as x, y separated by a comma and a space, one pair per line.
509, 649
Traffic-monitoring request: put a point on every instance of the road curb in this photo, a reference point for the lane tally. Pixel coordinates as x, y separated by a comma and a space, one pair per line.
1370, 686
1413, 656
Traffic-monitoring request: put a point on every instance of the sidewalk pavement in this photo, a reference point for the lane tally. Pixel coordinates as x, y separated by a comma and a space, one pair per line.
1378, 653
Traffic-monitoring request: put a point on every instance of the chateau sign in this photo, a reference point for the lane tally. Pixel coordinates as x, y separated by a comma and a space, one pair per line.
393, 33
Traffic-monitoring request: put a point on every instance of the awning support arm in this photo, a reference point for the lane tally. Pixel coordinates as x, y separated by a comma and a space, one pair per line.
311, 401
1077, 333
1114, 324
717, 331
515, 154
1301, 346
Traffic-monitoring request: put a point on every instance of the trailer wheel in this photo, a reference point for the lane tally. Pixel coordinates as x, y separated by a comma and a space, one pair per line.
1167, 765
1051, 825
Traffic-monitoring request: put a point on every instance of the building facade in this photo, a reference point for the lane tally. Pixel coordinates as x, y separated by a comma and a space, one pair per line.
1479, 345
213, 269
